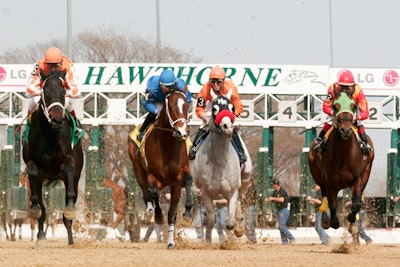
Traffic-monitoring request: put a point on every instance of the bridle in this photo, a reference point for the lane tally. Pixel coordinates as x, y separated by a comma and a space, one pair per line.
46, 108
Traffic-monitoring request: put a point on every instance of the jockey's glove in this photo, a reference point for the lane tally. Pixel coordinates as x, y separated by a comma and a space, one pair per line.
37, 92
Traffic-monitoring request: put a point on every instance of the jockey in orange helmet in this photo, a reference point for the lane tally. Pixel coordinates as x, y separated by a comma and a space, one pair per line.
220, 86
345, 84
54, 62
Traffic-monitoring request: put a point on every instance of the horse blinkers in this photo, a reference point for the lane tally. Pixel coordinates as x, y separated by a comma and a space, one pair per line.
344, 120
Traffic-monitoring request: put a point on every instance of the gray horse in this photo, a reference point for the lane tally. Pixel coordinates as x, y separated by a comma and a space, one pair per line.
216, 169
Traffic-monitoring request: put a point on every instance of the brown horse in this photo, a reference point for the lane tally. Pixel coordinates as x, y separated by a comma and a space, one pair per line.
51, 153
165, 160
119, 198
341, 164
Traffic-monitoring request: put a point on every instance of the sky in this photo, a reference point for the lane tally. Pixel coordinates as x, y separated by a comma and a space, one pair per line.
338, 33
364, 33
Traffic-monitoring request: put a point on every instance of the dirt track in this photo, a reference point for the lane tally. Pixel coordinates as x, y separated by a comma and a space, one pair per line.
113, 253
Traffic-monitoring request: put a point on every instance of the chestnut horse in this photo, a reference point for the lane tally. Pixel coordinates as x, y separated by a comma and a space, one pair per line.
51, 153
164, 161
341, 164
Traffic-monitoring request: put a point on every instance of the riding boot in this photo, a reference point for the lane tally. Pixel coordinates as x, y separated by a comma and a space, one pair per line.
78, 126
320, 141
149, 119
239, 145
366, 148
196, 141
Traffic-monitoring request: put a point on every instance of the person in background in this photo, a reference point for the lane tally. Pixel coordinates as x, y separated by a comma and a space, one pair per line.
200, 215
157, 89
54, 63
281, 199
317, 201
347, 85
249, 206
220, 86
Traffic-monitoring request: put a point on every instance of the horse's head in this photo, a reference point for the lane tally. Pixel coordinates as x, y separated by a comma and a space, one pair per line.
223, 113
53, 98
344, 109
176, 108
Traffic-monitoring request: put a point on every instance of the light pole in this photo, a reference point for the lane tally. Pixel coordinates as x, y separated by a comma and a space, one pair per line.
158, 31
69, 35
330, 34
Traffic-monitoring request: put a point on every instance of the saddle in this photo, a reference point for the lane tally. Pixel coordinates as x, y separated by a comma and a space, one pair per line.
71, 122
141, 145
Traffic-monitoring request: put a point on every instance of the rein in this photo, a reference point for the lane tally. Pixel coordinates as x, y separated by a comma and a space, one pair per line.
171, 121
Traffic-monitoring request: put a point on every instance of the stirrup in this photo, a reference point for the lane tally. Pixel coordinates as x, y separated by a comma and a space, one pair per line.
140, 136
192, 153
242, 157
319, 143
365, 147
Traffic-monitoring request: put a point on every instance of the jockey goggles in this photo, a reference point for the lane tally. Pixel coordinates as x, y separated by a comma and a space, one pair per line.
216, 81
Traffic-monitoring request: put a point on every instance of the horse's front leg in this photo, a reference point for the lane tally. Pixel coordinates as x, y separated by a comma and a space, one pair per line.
155, 194
35, 210
332, 200
71, 190
355, 206
233, 201
239, 227
210, 215
187, 181
175, 197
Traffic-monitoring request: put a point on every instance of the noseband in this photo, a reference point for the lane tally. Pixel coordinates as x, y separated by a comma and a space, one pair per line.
171, 121
46, 108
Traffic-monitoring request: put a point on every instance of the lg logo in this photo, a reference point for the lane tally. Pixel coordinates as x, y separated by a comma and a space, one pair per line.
390, 78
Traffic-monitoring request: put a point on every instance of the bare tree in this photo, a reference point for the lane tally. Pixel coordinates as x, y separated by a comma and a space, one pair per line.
102, 46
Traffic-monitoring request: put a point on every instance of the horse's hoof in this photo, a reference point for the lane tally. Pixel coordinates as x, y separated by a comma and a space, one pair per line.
353, 229
150, 216
239, 231
41, 243
35, 212
325, 221
159, 218
351, 218
70, 214
171, 246
186, 222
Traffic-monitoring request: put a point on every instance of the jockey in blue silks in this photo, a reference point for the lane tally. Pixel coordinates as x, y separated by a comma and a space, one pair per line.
157, 89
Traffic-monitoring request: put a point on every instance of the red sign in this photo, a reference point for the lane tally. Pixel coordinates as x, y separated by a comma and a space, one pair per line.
2, 74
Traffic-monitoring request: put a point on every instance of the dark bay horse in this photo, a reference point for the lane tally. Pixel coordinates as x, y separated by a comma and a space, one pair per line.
51, 153
341, 164
165, 161
216, 169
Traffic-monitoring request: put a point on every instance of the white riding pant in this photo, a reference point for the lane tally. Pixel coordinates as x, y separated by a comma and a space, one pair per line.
69, 105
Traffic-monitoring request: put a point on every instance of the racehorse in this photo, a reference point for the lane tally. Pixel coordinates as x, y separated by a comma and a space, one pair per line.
341, 164
119, 198
51, 153
165, 161
216, 169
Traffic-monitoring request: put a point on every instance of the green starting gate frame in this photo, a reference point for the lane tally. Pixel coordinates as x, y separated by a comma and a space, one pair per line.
98, 198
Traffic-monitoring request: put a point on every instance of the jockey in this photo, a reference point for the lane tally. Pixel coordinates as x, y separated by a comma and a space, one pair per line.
347, 85
157, 89
54, 62
220, 86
